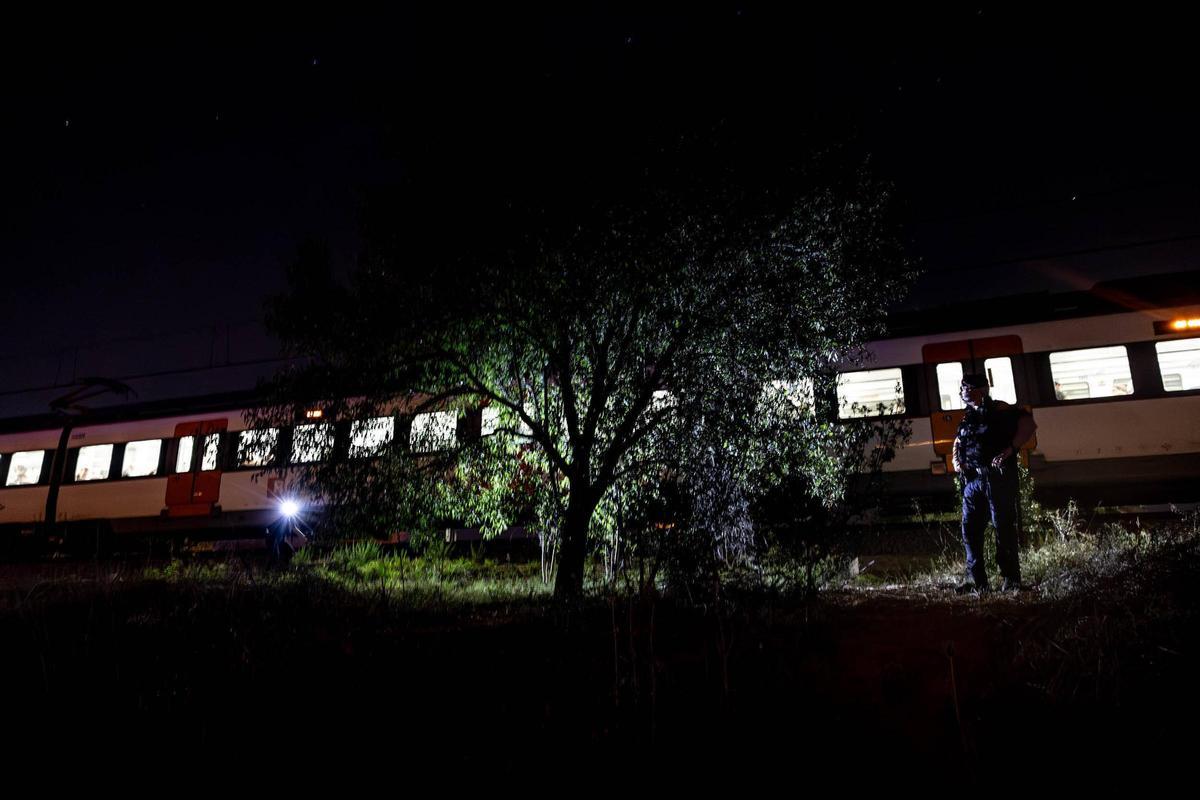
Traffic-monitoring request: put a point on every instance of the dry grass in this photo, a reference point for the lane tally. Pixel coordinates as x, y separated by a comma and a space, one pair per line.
361, 646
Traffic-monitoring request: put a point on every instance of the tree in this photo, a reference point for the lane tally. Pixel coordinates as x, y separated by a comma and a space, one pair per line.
673, 336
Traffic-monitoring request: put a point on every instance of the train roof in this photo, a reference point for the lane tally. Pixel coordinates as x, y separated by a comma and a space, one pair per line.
1108, 297
177, 406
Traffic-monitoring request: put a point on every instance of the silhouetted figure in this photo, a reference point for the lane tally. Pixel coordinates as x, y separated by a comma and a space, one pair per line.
985, 455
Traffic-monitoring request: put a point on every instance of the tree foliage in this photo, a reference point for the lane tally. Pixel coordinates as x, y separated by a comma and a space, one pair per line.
655, 356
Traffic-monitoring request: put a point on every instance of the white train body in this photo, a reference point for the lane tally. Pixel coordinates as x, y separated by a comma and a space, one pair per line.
142, 471
1127, 434
126, 503
1138, 445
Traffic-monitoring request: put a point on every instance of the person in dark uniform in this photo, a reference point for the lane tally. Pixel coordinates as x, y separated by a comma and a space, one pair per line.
985, 455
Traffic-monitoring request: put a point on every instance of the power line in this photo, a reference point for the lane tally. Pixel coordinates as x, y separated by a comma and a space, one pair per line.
165, 373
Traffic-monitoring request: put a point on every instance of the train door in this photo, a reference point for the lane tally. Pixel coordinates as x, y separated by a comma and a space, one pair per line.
194, 482
998, 357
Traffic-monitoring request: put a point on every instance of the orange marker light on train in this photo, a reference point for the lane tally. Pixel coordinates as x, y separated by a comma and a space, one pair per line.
1162, 326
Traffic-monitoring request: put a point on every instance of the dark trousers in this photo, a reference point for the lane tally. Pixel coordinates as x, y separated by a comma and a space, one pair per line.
993, 496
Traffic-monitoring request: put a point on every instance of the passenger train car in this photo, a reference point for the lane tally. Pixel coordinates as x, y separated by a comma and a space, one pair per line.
180, 470
1112, 377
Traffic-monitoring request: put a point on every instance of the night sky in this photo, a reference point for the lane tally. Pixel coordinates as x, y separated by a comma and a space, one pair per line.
158, 175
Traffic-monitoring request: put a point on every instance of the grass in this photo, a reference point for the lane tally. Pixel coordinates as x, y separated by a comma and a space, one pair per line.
1110, 618
1063, 550
367, 570
453, 659
1071, 556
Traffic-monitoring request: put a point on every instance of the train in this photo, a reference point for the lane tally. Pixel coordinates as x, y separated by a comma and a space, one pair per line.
1112, 376
187, 472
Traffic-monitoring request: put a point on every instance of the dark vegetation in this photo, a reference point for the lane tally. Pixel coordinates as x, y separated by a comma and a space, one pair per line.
441, 659
651, 332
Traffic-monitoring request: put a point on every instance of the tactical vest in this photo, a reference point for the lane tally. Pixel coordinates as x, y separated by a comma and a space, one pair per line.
984, 433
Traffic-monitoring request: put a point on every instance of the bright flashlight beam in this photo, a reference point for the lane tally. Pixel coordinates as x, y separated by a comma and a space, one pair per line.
289, 508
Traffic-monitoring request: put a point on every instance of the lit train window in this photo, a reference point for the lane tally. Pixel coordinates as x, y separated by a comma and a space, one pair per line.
94, 462
490, 421
183, 459
1096, 372
257, 448
949, 378
141, 458
312, 443
433, 431
870, 393
1000, 376
368, 437
212, 446
25, 468
1179, 364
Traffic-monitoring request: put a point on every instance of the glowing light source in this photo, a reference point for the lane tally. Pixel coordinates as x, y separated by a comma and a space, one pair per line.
1181, 325
314, 413
289, 508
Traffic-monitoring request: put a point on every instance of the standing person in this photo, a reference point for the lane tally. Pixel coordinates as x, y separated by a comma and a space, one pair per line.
985, 454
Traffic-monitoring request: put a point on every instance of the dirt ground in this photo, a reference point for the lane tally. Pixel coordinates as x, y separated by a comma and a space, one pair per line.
884, 686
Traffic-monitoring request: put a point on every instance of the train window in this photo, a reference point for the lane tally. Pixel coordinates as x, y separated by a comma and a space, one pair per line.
312, 443
212, 447
1179, 364
999, 373
24, 469
257, 448
368, 437
141, 458
523, 428
1096, 372
433, 431
94, 462
183, 458
489, 421
870, 393
949, 378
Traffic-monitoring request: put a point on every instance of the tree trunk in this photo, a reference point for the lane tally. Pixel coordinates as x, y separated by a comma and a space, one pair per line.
573, 555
